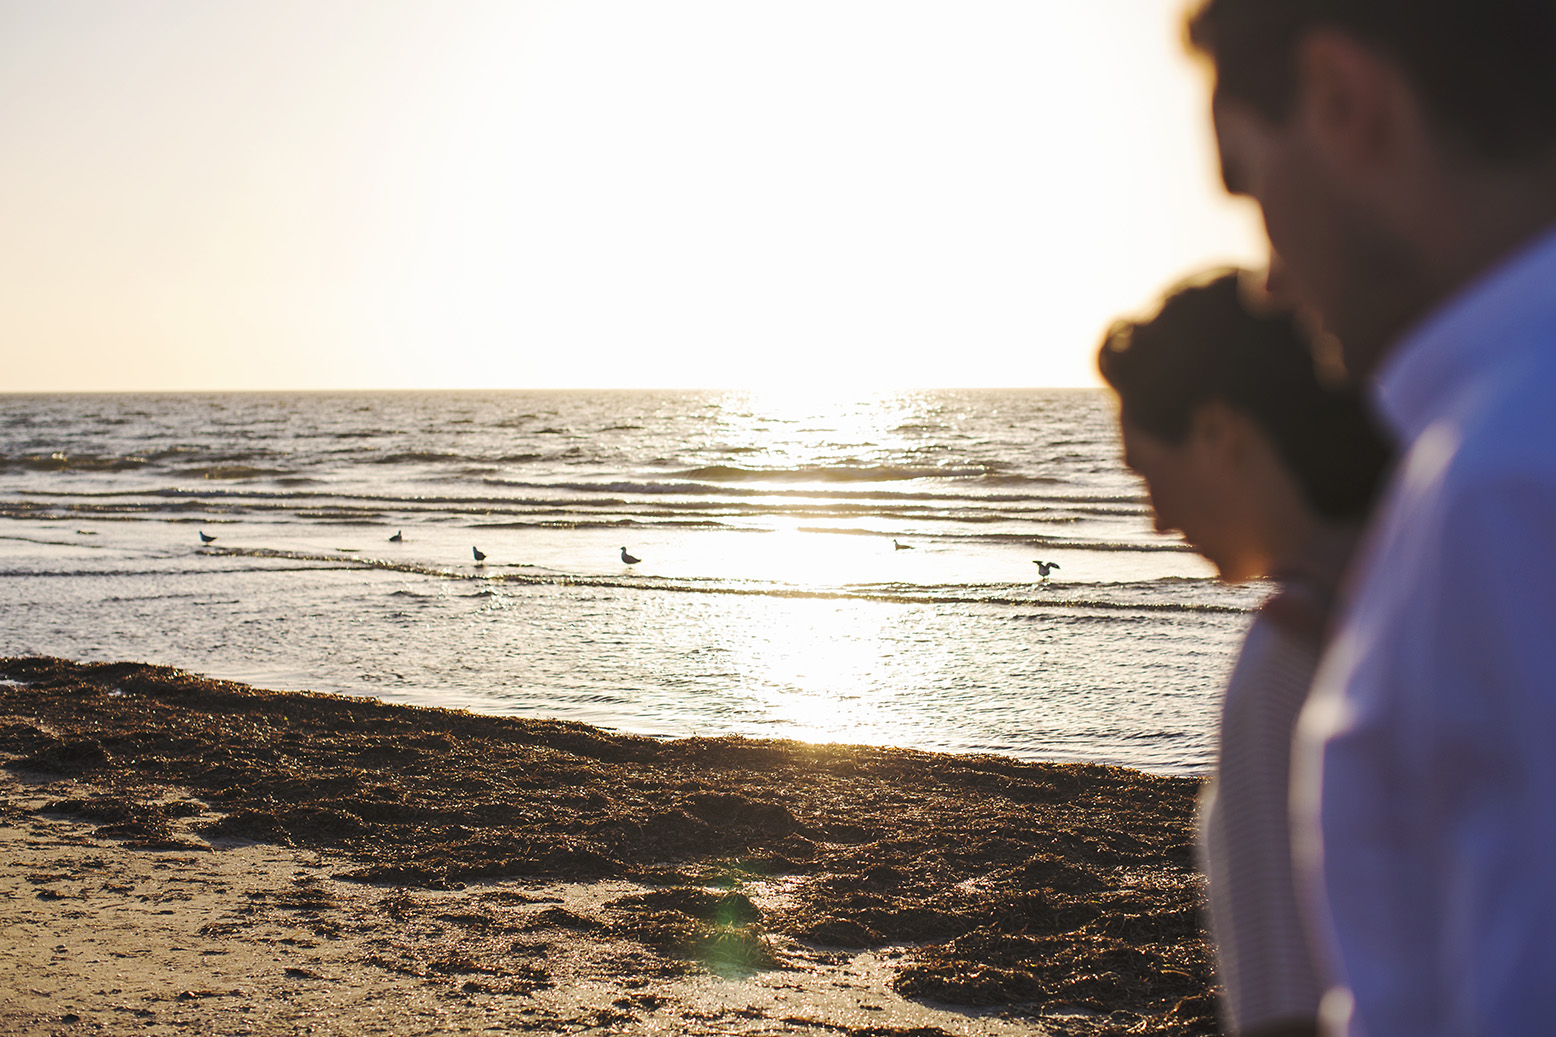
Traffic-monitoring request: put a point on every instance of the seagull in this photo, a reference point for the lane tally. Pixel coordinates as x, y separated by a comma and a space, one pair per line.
1044, 568
629, 559
397, 538
480, 555
205, 538
901, 547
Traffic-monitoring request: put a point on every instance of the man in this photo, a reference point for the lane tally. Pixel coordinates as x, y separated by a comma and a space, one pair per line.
1404, 155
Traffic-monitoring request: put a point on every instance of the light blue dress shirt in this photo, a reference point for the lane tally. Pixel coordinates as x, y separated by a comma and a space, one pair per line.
1425, 792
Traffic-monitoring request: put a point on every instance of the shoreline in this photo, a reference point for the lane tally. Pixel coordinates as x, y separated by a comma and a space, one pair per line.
500, 873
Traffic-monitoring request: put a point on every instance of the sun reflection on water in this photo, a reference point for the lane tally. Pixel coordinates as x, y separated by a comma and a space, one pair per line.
790, 427
810, 674
814, 674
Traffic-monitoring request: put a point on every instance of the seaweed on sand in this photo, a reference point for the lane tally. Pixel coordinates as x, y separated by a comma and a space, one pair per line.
1065, 892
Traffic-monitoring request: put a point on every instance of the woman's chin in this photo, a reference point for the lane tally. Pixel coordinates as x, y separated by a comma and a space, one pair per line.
1237, 572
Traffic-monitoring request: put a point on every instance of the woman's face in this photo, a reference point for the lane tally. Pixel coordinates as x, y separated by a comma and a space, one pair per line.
1197, 490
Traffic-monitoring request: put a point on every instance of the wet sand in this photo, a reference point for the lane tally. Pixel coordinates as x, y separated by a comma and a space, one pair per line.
193, 855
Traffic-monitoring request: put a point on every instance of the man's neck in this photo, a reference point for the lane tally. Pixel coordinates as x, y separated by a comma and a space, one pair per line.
1475, 218
1486, 216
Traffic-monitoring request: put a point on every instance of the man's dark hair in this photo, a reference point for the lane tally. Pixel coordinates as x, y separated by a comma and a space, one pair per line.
1485, 70
1206, 343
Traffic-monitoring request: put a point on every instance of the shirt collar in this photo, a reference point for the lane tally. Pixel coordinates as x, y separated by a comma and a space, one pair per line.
1467, 337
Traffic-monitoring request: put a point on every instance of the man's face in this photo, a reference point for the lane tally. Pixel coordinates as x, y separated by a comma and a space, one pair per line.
1335, 258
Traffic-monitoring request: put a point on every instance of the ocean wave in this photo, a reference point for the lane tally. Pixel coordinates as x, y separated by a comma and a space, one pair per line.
628, 522
419, 457
1035, 541
1087, 503
972, 524
63, 462
51, 543
187, 455
1038, 541
455, 460
1126, 546
344, 517
839, 473
934, 536
235, 471
1009, 595
70, 574
1095, 503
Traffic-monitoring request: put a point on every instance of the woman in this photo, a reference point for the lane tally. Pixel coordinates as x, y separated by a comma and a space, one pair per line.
1266, 471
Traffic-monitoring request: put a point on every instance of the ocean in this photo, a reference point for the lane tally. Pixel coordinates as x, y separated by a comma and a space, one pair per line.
827, 568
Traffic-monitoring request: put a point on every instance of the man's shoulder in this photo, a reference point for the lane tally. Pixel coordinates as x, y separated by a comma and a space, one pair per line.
1474, 499
1501, 434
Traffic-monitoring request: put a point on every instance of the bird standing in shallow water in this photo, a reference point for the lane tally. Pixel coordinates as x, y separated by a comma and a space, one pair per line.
397, 538
901, 547
1044, 568
205, 538
480, 555
629, 559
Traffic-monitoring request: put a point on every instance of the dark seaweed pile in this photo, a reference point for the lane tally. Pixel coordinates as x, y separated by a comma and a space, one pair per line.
1039, 887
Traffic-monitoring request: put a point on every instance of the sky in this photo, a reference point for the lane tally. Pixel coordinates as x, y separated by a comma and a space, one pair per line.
320, 194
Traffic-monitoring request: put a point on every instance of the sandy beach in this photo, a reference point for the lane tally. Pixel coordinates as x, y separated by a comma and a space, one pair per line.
187, 855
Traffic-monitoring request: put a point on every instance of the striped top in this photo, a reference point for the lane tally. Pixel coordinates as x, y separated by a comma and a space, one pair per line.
1266, 961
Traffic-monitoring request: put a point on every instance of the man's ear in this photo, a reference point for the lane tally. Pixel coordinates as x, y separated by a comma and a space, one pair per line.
1352, 103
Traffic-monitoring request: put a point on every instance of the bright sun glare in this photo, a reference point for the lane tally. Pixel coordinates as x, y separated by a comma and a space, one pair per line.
337, 193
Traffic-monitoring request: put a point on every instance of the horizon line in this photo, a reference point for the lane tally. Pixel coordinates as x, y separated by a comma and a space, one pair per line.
558, 388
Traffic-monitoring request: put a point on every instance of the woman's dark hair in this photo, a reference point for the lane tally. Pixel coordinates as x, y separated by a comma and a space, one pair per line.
1206, 343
